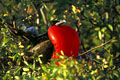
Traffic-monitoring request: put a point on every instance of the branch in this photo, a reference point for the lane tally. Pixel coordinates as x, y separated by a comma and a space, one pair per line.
79, 33
14, 31
1, 61
97, 47
44, 16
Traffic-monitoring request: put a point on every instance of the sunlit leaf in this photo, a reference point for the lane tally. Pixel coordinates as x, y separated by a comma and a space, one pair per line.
29, 9
62, 52
6, 40
117, 54
106, 15
110, 27
3, 29
59, 78
111, 62
44, 69
100, 35
25, 69
74, 9
103, 29
17, 77
91, 17
21, 46
55, 70
105, 66
116, 74
97, 28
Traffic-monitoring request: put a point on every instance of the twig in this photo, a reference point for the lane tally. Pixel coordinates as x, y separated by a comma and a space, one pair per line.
97, 47
2, 63
45, 6
79, 33
44, 16
33, 5
82, 43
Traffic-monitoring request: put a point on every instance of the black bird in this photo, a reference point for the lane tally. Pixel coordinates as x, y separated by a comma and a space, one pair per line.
41, 44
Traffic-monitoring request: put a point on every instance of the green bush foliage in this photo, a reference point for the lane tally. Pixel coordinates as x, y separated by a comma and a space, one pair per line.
96, 21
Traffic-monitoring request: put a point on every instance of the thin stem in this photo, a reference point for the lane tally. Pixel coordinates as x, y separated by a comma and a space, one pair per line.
97, 47
44, 16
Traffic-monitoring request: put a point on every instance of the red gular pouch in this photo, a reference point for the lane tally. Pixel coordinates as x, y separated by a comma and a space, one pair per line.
64, 38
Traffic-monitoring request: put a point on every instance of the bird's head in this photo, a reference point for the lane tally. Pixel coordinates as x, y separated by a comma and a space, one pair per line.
57, 22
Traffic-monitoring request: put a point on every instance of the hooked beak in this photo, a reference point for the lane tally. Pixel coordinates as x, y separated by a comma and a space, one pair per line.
61, 22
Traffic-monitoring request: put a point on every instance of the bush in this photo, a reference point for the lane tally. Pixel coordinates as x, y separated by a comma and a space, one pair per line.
96, 23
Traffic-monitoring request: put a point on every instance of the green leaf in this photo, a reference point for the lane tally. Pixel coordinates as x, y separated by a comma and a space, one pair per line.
110, 26
93, 78
103, 29
97, 28
113, 41
96, 61
55, 70
26, 63
59, 78
118, 9
34, 64
99, 77
6, 40
40, 61
116, 73
108, 58
111, 62
117, 54
62, 52
44, 69
28, 46
100, 35
17, 77
74, 9
3, 29
25, 69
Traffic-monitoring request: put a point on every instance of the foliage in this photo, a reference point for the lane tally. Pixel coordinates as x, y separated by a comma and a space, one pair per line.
95, 21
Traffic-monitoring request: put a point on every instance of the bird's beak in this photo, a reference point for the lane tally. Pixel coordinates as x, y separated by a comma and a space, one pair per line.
61, 22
